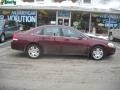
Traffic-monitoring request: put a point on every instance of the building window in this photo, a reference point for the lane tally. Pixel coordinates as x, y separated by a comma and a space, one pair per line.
86, 1
28, 0
64, 0
74, 0
104, 1
0, 2
39, 0
58, 0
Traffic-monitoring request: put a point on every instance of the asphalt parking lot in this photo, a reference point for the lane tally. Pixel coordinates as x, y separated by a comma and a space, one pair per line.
18, 72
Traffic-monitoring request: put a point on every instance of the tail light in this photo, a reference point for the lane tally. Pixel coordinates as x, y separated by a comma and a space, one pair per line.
14, 37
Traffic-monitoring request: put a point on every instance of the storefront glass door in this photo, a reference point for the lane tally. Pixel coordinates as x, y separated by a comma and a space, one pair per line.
64, 21
63, 18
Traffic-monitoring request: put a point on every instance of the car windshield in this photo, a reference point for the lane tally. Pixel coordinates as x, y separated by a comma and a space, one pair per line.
1, 24
82, 34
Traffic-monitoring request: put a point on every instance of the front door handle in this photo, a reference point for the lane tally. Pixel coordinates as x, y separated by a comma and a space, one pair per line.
66, 39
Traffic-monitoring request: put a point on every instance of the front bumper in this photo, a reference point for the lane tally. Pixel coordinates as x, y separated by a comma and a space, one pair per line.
110, 51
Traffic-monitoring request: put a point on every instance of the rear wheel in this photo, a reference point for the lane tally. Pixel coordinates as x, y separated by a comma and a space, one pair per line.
34, 51
2, 38
97, 53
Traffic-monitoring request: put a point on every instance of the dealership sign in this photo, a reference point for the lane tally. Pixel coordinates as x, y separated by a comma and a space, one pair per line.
110, 20
9, 2
63, 13
23, 16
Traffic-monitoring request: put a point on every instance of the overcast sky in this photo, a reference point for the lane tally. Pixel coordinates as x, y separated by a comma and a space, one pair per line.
115, 4
101, 4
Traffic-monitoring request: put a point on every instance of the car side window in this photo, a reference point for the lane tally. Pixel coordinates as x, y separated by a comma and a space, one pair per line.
52, 31
10, 23
70, 33
38, 31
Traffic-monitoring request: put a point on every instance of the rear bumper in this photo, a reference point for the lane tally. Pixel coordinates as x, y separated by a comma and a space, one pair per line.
17, 46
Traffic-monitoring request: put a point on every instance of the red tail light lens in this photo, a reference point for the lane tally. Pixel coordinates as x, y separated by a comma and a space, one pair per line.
14, 37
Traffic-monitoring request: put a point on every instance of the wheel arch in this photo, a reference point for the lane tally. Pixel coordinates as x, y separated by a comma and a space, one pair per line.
33, 43
3, 33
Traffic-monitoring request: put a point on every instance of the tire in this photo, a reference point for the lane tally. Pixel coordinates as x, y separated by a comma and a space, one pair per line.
34, 51
97, 53
2, 38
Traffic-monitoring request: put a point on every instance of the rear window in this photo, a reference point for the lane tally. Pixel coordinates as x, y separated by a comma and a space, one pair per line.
38, 31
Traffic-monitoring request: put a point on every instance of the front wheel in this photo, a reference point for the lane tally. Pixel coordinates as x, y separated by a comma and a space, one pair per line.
33, 51
97, 53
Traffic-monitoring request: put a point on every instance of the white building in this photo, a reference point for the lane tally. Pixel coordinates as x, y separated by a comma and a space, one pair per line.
82, 14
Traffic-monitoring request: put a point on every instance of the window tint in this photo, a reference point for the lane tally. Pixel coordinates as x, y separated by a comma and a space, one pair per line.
52, 31
70, 33
11, 23
38, 32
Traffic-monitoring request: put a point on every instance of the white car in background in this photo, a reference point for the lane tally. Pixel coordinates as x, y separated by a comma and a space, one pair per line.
97, 36
114, 33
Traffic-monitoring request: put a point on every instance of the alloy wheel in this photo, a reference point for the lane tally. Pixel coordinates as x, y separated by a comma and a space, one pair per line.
33, 51
97, 53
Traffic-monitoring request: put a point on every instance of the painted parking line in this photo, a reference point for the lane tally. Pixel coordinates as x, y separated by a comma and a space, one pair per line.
7, 43
118, 47
2, 50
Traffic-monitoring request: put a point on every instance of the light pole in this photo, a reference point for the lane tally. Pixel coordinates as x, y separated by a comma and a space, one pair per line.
109, 24
90, 22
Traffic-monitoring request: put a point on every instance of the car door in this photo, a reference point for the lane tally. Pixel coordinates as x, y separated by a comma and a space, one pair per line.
10, 27
7, 31
73, 42
118, 32
49, 37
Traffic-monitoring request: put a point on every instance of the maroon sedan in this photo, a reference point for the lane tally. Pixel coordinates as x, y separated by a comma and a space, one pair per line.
60, 40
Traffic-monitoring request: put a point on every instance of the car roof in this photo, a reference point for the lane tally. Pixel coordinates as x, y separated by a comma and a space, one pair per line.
60, 26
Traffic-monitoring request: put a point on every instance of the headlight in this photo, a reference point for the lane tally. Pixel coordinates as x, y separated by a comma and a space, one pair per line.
111, 45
